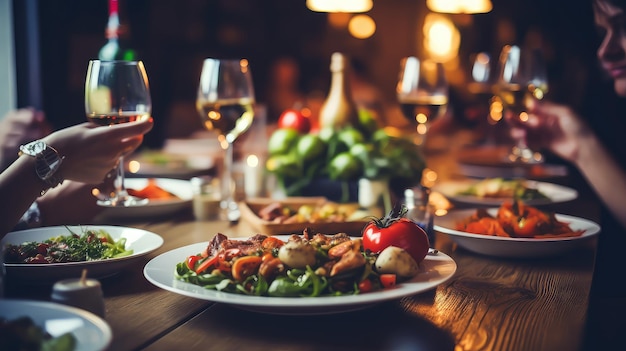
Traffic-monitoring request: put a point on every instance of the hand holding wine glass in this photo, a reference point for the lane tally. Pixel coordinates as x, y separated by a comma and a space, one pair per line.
422, 92
225, 104
521, 79
117, 92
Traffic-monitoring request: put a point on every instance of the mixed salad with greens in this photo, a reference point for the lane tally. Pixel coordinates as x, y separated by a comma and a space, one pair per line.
302, 266
90, 245
24, 335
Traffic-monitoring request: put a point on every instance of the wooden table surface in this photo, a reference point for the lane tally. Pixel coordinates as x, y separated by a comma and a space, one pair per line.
489, 304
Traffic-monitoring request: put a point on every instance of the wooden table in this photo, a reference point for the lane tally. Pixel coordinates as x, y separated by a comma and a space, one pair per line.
489, 304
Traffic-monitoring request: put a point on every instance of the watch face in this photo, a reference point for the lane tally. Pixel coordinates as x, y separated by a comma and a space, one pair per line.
34, 148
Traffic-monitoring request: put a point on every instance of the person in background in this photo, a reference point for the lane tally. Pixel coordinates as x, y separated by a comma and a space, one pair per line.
596, 148
76, 159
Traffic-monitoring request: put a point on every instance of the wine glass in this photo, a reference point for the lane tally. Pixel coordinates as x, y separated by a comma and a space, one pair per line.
481, 86
117, 92
422, 92
522, 77
225, 103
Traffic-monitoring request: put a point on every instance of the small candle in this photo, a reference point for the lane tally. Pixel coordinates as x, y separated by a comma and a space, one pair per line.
253, 176
82, 293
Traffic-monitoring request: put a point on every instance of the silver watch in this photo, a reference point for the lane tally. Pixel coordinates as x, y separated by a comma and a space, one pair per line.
48, 162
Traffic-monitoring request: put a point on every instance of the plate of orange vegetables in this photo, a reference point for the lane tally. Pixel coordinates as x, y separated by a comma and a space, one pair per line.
516, 230
166, 196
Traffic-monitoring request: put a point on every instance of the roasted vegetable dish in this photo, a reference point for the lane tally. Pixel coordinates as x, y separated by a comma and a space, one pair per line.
517, 220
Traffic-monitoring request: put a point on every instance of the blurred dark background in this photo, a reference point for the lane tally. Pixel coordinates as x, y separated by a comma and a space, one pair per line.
173, 37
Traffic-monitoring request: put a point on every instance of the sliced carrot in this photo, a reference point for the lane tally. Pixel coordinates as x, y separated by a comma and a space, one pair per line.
206, 264
245, 266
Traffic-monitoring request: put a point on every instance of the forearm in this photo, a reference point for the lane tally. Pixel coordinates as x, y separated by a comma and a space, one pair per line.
605, 175
19, 187
79, 205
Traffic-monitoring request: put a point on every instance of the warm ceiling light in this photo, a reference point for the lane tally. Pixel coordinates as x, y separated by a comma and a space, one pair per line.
353, 6
459, 6
441, 38
362, 26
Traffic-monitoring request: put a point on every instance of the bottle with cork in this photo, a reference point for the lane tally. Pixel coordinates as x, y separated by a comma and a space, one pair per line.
339, 110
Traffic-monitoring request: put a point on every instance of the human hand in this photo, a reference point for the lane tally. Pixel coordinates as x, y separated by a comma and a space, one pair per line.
92, 151
19, 127
555, 127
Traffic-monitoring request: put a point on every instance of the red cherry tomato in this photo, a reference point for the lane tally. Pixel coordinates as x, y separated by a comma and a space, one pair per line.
294, 119
192, 260
388, 280
396, 231
365, 286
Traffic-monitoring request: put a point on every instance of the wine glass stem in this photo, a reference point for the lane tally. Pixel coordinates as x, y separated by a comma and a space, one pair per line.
228, 187
120, 188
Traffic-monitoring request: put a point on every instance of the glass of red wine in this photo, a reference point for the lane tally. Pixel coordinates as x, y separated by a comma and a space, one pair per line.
117, 92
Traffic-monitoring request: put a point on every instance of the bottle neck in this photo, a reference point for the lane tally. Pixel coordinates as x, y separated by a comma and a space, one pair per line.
113, 25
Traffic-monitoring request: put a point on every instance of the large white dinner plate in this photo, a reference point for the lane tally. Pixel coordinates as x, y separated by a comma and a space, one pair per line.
140, 241
514, 247
434, 270
92, 333
154, 208
555, 193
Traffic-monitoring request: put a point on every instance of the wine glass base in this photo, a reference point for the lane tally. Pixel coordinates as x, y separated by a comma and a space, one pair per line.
524, 156
127, 201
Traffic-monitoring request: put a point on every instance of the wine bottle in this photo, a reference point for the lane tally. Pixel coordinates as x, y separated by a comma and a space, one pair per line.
339, 109
115, 48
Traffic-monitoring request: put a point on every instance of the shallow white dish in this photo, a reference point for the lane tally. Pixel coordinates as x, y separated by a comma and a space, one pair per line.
165, 164
92, 333
434, 270
514, 247
555, 193
140, 241
154, 208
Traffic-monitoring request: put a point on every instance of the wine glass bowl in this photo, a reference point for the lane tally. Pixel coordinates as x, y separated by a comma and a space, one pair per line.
225, 104
117, 92
422, 92
522, 78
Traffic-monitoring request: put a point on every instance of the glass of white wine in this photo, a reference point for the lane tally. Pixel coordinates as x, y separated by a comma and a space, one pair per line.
422, 92
225, 103
117, 92
522, 77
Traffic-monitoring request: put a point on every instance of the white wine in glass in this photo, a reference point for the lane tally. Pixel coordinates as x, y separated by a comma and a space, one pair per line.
225, 103
522, 77
422, 92
117, 92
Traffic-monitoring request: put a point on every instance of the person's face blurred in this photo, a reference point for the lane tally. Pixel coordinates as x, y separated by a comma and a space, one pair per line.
611, 23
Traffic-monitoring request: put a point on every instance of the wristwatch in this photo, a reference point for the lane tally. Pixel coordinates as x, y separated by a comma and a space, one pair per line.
48, 162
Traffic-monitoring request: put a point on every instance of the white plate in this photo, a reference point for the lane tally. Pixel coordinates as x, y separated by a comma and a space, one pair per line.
154, 208
555, 193
514, 247
164, 164
92, 333
434, 270
140, 241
